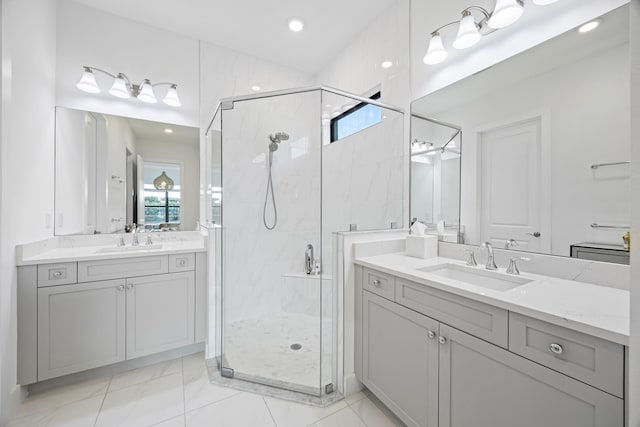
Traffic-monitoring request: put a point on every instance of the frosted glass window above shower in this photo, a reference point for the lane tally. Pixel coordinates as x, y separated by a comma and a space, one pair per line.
356, 119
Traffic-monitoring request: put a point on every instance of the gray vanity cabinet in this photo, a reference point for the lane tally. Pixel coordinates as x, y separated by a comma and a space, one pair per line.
484, 385
431, 374
400, 360
160, 313
80, 327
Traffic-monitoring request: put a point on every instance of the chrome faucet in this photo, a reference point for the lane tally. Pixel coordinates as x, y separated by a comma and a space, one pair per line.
491, 263
308, 259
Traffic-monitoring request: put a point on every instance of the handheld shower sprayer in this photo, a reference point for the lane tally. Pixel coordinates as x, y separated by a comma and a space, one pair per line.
273, 146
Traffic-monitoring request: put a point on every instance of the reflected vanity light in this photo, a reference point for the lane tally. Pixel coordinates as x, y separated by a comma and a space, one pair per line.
296, 25
124, 89
386, 64
590, 26
470, 31
168, 130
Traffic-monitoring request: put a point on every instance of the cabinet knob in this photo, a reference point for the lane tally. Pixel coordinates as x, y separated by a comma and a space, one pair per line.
129, 286
556, 348
120, 288
431, 335
376, 283
442, 340
182, 262
57, 274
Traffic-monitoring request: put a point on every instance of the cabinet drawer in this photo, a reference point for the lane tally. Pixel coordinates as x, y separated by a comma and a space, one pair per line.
592, 360
182, 262
481, 320
57, 274
122, 268
379, 283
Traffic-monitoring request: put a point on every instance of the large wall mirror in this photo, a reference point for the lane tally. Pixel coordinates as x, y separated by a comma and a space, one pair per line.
545, 147
112, 172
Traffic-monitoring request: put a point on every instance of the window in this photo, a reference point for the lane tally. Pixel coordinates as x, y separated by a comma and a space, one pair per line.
356, 119
161, 206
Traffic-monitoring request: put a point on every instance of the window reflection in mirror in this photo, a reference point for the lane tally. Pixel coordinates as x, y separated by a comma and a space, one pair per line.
161, 202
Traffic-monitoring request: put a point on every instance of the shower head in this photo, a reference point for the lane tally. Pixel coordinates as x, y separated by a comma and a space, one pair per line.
279, 137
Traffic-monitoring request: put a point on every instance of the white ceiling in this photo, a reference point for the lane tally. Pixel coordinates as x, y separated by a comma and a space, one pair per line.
258, 27
154, 131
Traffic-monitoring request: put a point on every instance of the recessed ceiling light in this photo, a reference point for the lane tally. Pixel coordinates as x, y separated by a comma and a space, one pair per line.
296, 24
589, 26
167, 130
387, 64
255, 88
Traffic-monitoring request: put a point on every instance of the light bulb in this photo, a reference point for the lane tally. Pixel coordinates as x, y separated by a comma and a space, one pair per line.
543, 2
387, 64
146, 93
296, 24
88, 82
171, 98
468, 34
119, 87
436, 52
505, 13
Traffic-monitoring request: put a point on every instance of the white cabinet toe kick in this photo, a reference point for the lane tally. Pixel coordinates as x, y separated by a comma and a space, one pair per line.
83, 315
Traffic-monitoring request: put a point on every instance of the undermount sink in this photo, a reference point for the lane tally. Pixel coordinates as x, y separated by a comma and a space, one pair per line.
130, 248
476, 276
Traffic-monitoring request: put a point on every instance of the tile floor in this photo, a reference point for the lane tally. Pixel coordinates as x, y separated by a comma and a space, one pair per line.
178, 393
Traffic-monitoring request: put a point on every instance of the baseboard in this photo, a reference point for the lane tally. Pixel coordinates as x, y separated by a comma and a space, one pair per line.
116, 368
352, 385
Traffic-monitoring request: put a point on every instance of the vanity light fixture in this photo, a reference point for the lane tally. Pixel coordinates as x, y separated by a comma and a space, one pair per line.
123, 88
163, 182
505, 13
470, 31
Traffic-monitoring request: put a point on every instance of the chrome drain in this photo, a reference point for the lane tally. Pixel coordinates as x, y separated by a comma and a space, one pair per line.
295, 346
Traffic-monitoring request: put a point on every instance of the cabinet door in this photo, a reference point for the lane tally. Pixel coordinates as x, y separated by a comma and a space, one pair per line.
483, 385
400, 360
80, 327
160, 313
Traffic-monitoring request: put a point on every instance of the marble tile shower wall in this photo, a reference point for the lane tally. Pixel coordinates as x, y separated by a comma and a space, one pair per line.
362, 183
256, 259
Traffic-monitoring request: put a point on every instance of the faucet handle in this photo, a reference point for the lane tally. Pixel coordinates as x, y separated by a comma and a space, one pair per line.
472, 257
513, 265
510, 243
121, 241
149, 240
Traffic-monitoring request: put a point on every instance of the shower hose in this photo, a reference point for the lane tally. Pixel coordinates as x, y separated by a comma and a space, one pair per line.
273, 201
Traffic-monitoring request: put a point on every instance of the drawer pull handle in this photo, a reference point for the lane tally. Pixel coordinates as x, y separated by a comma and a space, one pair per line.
431, 335
57, 274
556, 348
376, 283
442, 340
182, 263
120, 288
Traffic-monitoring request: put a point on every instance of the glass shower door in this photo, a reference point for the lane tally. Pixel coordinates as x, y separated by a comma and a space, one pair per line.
271, 218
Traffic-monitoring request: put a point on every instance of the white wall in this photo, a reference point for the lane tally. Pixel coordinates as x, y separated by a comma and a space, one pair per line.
26, 153
537, 25
187, 155
634, 360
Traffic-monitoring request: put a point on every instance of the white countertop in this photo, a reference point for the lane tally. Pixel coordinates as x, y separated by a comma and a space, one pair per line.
592, 309
85, 248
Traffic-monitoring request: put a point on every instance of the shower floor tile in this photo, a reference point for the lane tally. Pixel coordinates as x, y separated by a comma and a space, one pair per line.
261, 348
